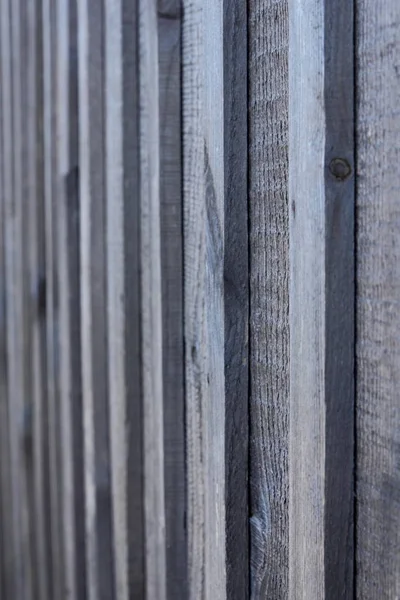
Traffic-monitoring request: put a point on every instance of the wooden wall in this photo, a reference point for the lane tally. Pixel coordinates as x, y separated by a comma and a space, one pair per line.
199, 291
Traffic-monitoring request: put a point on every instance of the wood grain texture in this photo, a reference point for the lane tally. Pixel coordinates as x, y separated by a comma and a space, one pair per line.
203, 197
378, 290
37, 311
5, 474
98, 492
169, 25
124, 295
115, 201
67, 249
21, 108
132, 269
49, 20
14, 289
321, 227
236, 298
269, 296
151, 287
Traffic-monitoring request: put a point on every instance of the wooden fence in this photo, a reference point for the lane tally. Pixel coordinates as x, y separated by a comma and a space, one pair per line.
200, 291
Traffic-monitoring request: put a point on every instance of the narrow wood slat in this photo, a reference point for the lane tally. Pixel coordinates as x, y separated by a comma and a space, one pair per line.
25, 249
5, 496
151, 308
203, 193
269, 293
115, 176
236, 298
98, 501
170, 130
14, 234
69, 294
49, 20
124, 295
378, 293
321, 227
37, 310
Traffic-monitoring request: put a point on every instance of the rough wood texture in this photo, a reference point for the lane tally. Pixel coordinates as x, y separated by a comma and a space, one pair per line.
124, 295
269, 296
51, 295
99, 557
378, 292
69, 301
6, 568
203, 196
151, 310
169, 67
14, 234
321, 227
115, 173
236, 298
37, 312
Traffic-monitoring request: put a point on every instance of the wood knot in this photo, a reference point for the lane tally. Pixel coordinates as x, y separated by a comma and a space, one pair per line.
340, 169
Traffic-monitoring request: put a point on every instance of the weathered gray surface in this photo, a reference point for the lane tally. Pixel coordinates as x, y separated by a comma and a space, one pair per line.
37, 349
48, 9
67, 252
151, 309
99, 556
378, 292
124, 296
269, 295
115, 105
169, 67
321, 229
16, 362
6, 572
203, 197
236, 298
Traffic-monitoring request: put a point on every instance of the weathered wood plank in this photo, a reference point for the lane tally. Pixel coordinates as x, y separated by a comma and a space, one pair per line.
29, 522
203, 197
69, 301
321, 227
269, 296
14, 269
378, 292
236, 298
93, 223
154, 494
124, 296
169, 66
49, 23
37, 351
115, 106
5, 481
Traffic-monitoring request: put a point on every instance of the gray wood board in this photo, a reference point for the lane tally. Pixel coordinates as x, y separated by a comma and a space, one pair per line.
68, 254
37, 289
98, 494
132, 269
321, 227
203, 197
269, 296
236, 299
6, 567
151, 309
169, 66
51, 298
378, 293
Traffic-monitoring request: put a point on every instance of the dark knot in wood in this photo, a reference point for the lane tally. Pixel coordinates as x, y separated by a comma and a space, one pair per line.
340, 169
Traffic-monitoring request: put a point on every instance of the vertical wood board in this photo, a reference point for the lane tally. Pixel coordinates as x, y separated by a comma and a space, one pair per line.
378, 292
